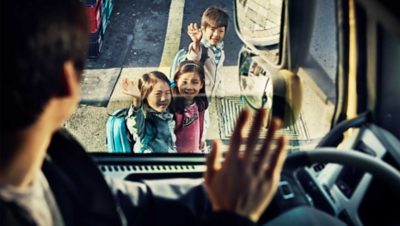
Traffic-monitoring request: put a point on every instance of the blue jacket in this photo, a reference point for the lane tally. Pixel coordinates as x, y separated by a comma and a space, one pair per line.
153, 132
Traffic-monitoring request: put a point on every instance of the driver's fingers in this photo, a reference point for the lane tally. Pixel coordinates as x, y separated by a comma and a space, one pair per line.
265, 148
237, 137
253, 137
276, 159
213, 161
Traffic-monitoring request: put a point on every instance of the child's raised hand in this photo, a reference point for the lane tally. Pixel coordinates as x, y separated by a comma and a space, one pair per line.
129, 87
194, 32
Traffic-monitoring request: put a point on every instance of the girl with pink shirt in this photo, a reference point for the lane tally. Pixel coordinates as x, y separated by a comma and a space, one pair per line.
189, 104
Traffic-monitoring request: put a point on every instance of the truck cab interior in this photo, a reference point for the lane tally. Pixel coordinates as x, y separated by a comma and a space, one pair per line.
332, 67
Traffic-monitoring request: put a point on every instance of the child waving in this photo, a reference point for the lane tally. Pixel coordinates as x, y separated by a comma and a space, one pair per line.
189, 105
210, 34
149, 121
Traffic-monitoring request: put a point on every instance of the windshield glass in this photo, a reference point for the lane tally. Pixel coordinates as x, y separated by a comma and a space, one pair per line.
133, 44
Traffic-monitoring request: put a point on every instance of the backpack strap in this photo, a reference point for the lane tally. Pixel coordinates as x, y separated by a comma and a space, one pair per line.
204, 54
123, 112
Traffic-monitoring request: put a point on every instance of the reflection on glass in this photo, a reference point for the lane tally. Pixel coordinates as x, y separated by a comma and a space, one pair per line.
255, 85
259, 22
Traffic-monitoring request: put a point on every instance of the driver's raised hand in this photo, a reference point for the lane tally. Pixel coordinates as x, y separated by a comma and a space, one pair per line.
245, 182
130, 87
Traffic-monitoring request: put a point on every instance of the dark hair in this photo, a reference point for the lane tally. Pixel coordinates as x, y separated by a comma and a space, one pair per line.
178, 103
37, 38
214, 16
146, 84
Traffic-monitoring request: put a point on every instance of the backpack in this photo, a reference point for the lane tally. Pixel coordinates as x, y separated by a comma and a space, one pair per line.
118, 140
180, 56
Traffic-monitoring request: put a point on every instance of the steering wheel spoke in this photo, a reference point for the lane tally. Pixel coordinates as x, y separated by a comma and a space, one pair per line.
344, 205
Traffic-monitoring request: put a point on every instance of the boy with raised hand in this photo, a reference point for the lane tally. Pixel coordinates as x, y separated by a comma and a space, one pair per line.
46, 178
214, 24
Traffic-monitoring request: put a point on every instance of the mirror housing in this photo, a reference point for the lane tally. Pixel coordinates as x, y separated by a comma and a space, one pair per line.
287, 97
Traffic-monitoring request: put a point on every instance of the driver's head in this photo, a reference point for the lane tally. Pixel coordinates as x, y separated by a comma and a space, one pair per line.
37, 38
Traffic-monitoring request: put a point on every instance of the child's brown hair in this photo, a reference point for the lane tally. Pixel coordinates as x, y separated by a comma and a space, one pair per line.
147, 82
215, 17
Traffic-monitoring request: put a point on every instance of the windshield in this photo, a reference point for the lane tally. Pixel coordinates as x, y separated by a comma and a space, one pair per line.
132, 39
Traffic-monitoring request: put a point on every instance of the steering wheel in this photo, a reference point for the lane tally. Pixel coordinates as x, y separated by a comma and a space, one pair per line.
307, 215
348, 157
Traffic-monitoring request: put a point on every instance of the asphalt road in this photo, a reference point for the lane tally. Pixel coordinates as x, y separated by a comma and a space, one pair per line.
143, 36
136, 33
133, 44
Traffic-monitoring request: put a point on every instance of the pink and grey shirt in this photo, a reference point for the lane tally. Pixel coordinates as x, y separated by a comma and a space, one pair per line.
189, 129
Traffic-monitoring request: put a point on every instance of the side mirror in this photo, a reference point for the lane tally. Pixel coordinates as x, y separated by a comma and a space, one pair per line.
293, 97
264, 86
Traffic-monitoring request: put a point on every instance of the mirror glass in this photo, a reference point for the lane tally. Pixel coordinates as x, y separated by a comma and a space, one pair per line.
255, 84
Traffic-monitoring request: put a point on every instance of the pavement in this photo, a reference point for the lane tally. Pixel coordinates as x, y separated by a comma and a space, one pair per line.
142, 36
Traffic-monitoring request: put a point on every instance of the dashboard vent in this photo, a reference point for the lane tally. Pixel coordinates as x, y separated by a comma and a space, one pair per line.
148, 168
318, 167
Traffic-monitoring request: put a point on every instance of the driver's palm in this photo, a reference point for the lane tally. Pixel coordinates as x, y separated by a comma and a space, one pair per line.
130, 87
246, 181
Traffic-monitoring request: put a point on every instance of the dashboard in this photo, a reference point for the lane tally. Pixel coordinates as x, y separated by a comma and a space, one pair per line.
136, 167
332, 188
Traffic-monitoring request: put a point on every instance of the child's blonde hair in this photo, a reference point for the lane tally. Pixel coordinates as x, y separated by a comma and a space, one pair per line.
215, 17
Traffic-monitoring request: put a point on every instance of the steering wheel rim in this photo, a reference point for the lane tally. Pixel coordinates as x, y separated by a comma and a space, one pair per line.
347, 157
